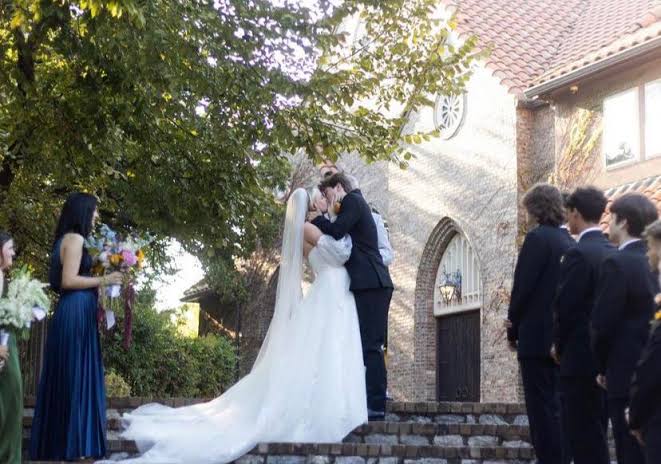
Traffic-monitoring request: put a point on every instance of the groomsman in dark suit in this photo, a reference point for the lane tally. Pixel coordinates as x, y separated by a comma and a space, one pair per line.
623, 309
585, 419
645, 409
530, 318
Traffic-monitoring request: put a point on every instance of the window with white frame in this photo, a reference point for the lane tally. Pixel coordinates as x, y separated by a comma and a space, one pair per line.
621, 128
632, 122
458, 284
653, 119
450, 110
449, 114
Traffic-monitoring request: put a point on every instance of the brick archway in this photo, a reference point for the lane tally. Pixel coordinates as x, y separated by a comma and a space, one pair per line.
424, 321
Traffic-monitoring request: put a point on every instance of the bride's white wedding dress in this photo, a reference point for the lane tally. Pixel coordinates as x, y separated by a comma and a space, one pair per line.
307, 385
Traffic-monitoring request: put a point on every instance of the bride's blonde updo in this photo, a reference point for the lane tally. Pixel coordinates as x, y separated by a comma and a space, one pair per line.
315, 195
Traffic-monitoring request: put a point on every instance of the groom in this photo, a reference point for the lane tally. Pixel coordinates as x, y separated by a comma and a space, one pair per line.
370, 280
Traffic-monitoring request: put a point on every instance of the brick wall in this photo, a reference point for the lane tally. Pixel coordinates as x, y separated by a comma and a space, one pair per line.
589, 97
535, 147
471, 181
468, 184
255, 323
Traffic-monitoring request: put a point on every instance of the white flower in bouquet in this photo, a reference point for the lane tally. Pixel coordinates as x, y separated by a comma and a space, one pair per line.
104, 259
24, 294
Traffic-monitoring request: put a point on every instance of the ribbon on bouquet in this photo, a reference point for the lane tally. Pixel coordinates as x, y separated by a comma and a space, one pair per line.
4, 337
129, 299
109, 315
100, 312
4, 341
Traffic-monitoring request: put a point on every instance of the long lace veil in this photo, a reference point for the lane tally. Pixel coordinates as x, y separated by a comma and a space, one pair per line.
290, 274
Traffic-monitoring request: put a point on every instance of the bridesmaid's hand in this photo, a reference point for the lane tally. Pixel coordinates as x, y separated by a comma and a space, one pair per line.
4, 353
114, 278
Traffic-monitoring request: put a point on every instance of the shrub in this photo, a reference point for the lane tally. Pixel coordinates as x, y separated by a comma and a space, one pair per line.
215, 357
162, 363
116, 386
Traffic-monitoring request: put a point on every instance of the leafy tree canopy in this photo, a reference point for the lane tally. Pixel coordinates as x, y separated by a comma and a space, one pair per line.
179, 114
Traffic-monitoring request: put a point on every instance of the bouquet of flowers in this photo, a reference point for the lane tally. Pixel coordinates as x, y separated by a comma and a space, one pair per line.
26, 301
112, 253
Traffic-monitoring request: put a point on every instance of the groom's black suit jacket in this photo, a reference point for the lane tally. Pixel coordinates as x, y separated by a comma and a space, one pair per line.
365, 265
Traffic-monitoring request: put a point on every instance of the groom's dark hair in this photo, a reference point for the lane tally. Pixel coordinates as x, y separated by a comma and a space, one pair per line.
332, 181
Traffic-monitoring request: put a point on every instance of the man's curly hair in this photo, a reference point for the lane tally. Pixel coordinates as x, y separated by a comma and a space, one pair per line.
544, 203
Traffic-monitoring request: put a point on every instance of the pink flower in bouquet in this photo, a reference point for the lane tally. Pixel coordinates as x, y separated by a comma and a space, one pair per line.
129, 258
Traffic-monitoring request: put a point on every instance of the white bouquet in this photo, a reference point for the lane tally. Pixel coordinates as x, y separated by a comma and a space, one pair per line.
25, 301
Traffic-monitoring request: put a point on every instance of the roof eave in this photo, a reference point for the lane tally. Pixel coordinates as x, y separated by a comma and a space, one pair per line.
590, 69
196, 296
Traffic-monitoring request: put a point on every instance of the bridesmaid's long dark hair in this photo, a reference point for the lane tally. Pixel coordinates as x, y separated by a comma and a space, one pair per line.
4, 238
76, 216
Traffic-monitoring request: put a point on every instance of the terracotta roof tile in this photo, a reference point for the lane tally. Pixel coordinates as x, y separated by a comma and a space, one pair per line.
605, 28
650, 187
527, 32
534, 41
650, 17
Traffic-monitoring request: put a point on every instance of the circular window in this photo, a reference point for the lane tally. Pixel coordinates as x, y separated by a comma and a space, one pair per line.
449, 114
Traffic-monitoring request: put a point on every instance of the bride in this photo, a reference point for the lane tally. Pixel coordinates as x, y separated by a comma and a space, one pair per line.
308, 382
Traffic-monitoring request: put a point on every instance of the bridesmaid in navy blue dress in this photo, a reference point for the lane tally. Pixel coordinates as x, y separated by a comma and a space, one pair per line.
70, 416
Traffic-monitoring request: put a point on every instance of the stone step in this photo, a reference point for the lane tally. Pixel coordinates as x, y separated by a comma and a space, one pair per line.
356, 453
361, 453
413, 433
446, 435
403, 433
424, 412
129, 403
402, 407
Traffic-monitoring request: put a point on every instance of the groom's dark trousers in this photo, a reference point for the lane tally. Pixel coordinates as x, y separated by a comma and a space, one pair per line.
373, 319
371, 286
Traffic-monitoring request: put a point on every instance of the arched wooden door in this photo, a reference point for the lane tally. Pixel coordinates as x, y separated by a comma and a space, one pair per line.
457, 304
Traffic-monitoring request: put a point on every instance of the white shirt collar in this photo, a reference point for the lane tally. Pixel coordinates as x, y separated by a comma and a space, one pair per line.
588, 230
628, 242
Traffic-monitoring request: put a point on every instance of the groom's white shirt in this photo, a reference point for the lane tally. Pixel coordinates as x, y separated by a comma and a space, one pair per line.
385, 249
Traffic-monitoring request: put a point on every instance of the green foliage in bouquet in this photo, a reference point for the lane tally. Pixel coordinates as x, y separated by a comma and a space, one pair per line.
163, 363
